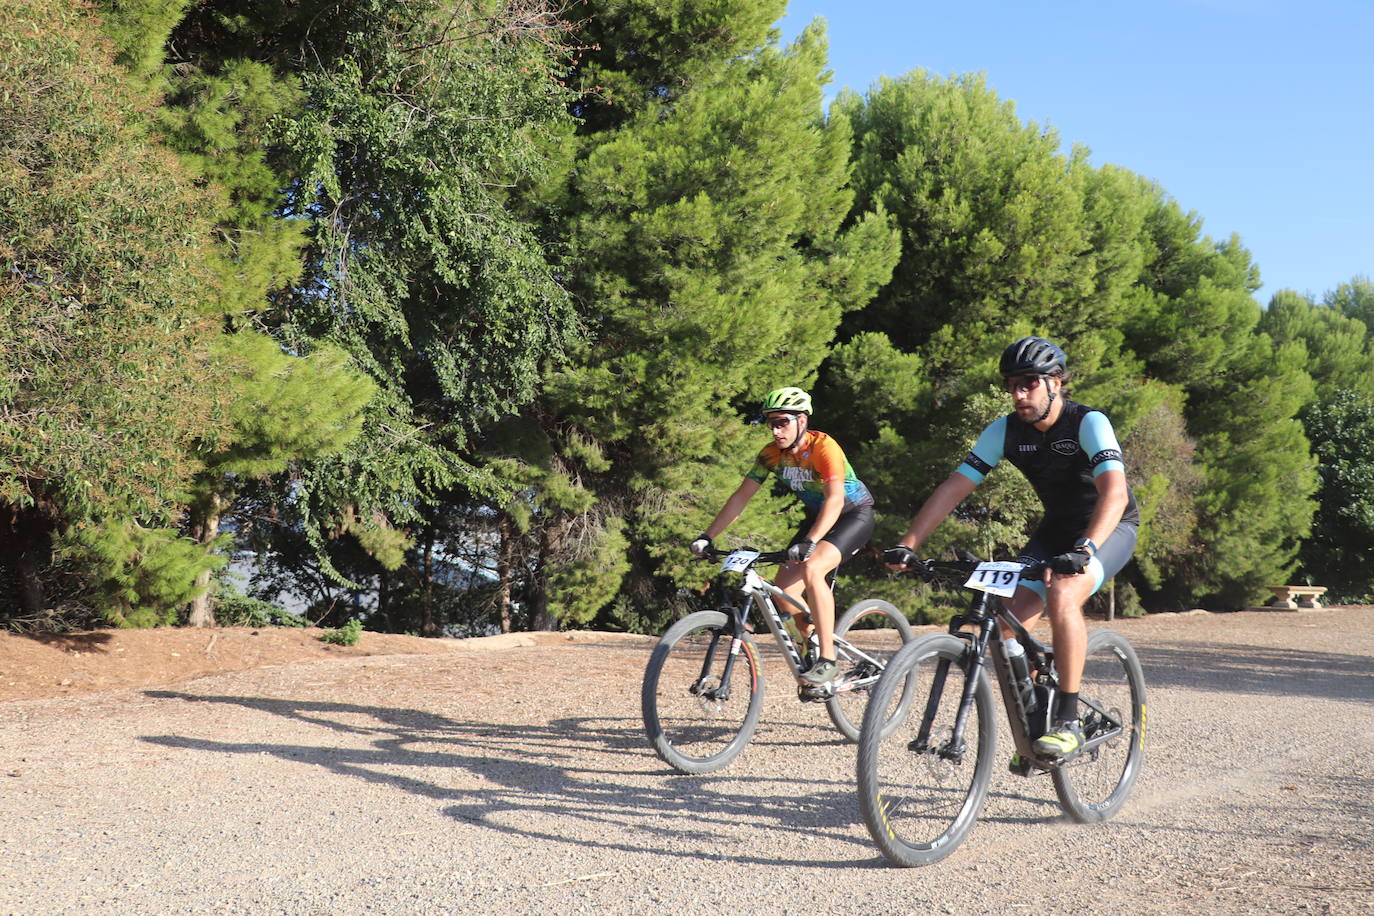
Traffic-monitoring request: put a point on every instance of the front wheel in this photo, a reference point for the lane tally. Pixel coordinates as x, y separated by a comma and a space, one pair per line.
920, 787
874, 631
697, 718
1093, 785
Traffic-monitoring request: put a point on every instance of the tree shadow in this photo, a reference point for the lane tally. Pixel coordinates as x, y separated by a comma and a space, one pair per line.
79, 642
527, 775
1259, 670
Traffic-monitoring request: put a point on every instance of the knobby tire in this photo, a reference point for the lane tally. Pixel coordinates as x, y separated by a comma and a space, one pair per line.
689, 731
889, 631
1093, 786
917, 805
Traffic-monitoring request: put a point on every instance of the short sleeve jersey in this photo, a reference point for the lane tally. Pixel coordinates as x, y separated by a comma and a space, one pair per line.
1061, 463
808, 471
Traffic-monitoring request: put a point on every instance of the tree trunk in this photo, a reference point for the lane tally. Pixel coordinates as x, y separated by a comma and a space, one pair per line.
503, 570
204, 529
542, 619
26, 537
427, 624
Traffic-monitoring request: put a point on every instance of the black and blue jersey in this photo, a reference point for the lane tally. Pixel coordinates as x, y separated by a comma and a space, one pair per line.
1061, 463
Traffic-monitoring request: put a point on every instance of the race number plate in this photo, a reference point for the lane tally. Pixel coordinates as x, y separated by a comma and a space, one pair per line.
998, 578
739, 560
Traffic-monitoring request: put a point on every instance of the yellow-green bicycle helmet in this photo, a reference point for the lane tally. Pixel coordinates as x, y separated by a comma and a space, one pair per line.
791, 400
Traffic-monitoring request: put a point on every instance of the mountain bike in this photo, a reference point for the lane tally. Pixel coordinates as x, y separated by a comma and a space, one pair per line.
703, 688
922, 786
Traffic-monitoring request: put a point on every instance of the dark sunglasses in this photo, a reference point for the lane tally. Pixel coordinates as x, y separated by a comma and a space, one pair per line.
779, 420
1026, 383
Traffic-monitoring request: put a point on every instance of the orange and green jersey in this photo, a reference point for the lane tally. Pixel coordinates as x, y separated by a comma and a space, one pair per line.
809, 470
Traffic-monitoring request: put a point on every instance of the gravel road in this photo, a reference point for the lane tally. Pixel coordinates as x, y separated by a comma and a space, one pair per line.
518, 780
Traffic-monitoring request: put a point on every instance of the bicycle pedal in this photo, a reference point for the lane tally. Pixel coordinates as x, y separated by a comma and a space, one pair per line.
814, 694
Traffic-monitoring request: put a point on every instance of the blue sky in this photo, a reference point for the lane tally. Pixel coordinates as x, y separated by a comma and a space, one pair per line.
1256, 114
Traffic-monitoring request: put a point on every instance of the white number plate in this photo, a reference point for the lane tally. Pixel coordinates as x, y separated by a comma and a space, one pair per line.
998, 578
739, 560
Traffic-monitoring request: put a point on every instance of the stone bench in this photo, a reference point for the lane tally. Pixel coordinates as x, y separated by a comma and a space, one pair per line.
1293, 597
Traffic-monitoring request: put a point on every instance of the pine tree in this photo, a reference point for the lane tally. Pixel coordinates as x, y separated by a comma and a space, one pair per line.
708, 215
1004, 236
281, 409
105, 384
1341, 428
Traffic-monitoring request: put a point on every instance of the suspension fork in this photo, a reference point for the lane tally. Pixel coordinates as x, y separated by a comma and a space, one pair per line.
973, 661
739, 613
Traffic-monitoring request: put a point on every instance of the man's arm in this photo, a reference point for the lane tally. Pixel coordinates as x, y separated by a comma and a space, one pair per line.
936, 509
733, 507
1112, 500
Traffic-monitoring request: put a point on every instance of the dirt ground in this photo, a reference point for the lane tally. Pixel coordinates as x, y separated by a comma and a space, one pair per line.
242, 771
42, 666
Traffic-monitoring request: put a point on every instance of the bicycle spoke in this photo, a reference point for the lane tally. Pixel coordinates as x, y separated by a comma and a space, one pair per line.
867, 635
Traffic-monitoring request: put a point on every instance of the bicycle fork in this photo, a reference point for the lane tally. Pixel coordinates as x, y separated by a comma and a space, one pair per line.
954, 748
702, 687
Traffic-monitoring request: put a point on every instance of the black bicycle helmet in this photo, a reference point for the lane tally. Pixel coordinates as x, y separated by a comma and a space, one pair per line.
1032, 356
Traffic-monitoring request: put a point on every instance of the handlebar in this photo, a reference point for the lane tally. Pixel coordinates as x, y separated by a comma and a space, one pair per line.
765, 556
951, 570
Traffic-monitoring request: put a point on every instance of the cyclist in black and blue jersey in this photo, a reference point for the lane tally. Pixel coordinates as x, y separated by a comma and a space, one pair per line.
1070, 455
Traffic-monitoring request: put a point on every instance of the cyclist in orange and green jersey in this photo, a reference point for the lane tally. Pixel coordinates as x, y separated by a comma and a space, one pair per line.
839, 513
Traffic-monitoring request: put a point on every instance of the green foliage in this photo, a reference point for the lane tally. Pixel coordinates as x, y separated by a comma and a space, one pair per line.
1354, 299
405, 147
235, 609
1341, 428
139, 30
346, 635
106, 376
1163, 471
140, 577
1003, 236
1128, 602
995, 222
105, 363
577, 588
222, 121
1256, 506
311, 270
1339, 349
283, 407
708, 217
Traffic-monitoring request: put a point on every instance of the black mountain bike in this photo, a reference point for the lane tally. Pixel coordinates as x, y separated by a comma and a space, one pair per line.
703, 687
921, 786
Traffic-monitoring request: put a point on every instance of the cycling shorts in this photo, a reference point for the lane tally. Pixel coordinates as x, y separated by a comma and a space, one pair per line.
1115, 551
849, 534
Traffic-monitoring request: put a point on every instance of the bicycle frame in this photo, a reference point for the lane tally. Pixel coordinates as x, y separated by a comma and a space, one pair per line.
985, 632
756, 591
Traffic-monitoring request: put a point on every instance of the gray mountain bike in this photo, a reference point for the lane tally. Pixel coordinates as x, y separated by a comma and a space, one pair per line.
703, 688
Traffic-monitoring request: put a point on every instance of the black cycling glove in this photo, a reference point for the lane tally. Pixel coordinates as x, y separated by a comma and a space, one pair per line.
1071, 563
901, 555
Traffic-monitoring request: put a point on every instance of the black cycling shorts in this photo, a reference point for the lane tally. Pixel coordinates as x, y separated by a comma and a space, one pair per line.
851, 531
1114, 553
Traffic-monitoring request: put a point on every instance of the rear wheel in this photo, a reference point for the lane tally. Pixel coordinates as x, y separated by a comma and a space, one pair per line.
921, 793
876, 630
696, 720
1094, 785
